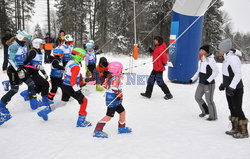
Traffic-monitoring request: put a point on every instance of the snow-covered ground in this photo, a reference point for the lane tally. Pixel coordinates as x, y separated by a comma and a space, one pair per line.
161, 129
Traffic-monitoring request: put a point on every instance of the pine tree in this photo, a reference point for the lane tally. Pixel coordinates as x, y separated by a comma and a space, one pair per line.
213, 25
38, 32
72, 18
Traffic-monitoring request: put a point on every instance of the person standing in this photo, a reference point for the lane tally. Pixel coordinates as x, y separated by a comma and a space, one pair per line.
90, 62
232, 83
48, 47
159, 61
60, 40
207, 73
4, 39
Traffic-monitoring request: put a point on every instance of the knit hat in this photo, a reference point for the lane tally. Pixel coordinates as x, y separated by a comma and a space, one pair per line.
205, 48
225, 45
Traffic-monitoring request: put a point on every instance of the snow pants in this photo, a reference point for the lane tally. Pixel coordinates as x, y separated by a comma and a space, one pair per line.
209, 105
41, 84
14, 85
68, 92
158, 77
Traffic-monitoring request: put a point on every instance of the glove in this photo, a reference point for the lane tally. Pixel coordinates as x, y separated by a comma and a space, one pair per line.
222, 87
79, 96
150, 50
39, 67
21, 72
230, 91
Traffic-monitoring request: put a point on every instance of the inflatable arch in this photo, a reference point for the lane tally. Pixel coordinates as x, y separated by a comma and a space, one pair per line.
183, 54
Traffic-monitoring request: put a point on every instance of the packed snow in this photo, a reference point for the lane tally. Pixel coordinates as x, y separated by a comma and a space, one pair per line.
162, 129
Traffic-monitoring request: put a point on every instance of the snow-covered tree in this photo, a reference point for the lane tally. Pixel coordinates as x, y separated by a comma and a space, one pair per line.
213, 25
38, 32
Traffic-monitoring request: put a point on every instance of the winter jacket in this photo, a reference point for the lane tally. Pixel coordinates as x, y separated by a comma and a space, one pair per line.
159, 64
101, 69
72, 74
207, 70
17, 53
56, 67
231, 70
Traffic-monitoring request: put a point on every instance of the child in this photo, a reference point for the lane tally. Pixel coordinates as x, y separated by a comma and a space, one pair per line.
113, 101
233, 84
17, 52
71, 88
90, 62
102, 67
207, 73
56, 73
34, 63
67, 48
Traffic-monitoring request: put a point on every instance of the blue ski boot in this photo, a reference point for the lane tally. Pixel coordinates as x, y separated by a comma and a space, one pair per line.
44, 113
25, 95
4, 113
81, 122
100, 134
34, 103
45, 101
6, 85
124, 130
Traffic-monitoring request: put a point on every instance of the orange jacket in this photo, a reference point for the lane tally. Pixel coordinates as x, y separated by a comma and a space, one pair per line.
101, 69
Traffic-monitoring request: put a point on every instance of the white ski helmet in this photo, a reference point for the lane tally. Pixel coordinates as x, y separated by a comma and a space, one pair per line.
21, 34
68, 38
37, 42
91, 41
89, 45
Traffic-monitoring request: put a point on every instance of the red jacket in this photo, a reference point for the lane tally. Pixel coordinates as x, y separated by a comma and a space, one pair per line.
162, 60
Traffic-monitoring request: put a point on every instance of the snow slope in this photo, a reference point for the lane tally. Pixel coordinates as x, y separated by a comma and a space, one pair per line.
161, 129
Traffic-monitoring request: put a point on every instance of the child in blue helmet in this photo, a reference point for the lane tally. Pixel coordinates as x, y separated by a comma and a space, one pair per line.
90, 62
56, 74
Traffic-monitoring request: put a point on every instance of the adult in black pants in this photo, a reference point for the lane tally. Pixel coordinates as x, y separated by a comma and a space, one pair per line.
232, 83
159, 61
4, 39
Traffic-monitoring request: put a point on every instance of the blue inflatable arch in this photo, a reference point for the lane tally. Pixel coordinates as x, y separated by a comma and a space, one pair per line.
183, 54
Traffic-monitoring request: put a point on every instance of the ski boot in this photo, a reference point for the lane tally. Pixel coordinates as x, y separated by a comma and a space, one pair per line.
124, 130
44, 113
34, 103
4, 113
25, 95
6, 85
45, 101
100, 134
99, 88
81, 122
